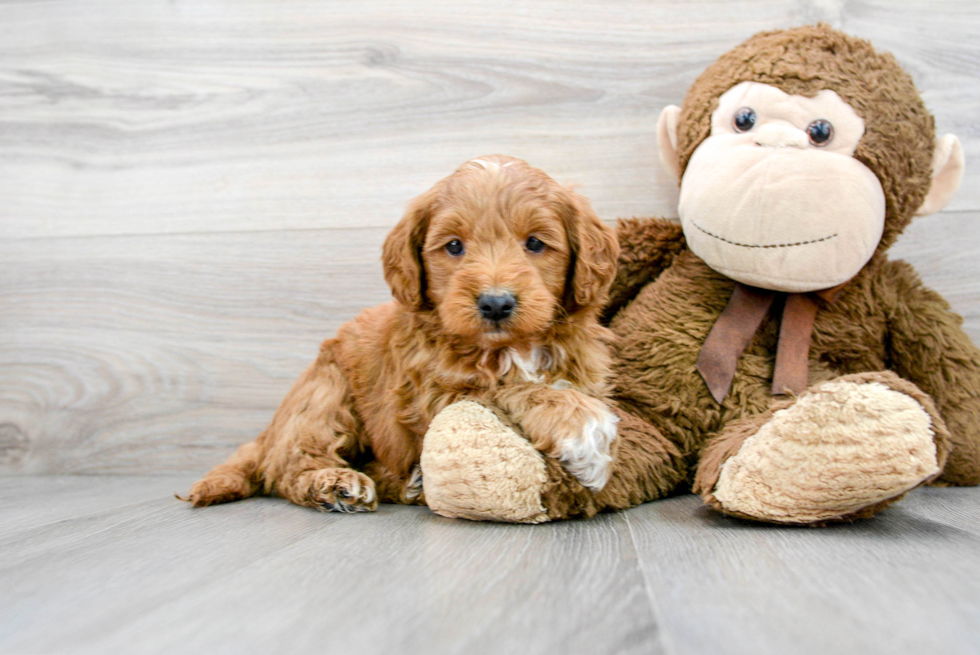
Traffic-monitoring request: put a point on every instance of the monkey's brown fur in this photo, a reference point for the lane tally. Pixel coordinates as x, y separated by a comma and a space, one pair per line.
885, 325
350, 431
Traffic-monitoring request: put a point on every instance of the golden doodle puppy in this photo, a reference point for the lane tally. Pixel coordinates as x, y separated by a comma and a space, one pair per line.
498, 275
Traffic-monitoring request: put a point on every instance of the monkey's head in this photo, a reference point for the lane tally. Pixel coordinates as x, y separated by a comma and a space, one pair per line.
800, 154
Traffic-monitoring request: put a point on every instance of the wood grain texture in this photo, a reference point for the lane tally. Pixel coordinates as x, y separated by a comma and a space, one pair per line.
907, 581
130, 569
195, 194
31, 502
150, 354
159, 117
265, 576
155, 353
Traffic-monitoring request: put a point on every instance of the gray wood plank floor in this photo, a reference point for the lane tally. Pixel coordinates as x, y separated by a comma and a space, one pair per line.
116, 565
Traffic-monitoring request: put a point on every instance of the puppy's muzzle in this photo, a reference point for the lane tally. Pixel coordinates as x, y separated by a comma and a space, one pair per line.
496, 306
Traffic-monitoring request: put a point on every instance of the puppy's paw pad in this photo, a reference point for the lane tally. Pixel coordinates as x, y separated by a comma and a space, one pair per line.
343, 490
585, 454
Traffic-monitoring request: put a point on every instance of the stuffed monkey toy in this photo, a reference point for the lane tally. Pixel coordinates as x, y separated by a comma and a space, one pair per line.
770, 356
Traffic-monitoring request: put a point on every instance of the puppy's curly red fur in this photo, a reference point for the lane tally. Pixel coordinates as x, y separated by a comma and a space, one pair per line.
349, 433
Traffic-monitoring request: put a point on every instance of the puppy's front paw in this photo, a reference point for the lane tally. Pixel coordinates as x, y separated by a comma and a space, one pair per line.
343, 490
584, 450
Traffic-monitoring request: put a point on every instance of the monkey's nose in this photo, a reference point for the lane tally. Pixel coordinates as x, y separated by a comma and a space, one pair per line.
775, 135
496, 305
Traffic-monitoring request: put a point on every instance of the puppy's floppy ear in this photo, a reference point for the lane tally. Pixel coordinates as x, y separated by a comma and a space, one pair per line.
402, 256
594, 255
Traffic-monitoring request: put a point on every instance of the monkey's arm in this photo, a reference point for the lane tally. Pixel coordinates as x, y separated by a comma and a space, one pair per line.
928, 347
647, 247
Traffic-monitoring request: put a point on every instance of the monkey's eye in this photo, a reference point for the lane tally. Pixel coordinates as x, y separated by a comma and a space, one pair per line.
745, 119
455, 248
534, 244
820, 131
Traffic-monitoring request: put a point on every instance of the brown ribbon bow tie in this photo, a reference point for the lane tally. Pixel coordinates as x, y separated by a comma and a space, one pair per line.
733, 332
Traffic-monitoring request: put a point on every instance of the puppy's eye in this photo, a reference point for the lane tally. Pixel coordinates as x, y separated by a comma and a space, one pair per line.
534, 244
745, 119
455, 248
820, 131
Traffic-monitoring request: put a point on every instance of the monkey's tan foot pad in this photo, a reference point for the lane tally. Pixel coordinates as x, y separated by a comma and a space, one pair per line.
844, 450
476, 467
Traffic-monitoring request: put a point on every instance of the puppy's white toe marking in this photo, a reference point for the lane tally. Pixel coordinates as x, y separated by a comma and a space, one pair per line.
586, 456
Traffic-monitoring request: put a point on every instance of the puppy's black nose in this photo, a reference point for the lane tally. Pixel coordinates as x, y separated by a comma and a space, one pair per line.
496, 305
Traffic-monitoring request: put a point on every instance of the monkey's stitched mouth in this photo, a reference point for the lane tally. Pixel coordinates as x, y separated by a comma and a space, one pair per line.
763, 245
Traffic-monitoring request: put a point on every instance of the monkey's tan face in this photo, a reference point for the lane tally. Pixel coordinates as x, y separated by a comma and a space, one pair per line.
774, 197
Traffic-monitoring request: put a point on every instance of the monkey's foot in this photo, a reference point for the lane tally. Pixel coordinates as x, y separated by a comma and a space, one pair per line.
476, 467
843, 450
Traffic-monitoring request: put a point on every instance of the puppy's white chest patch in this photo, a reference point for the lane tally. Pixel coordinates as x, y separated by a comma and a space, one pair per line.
530, 367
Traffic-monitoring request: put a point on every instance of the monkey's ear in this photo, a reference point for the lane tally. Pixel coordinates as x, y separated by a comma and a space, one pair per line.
947, 173
402, 255
667, 140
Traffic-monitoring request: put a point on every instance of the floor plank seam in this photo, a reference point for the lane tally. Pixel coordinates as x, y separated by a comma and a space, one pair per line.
193, 233
180, 595
83, 537
37, 526
659, 617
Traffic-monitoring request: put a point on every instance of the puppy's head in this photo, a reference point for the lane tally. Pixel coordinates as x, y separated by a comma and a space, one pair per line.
501, 252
